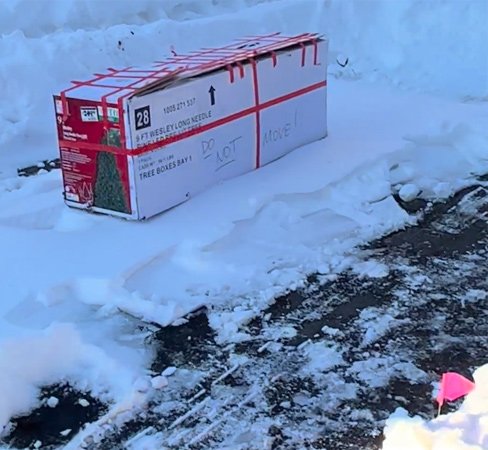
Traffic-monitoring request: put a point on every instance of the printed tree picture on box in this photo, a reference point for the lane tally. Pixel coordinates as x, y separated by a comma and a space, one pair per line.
111, 137
109, 190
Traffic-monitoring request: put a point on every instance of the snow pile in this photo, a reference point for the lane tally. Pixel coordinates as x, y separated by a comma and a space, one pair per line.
465, 429
436, 46
441, 159
73, 15
57, 354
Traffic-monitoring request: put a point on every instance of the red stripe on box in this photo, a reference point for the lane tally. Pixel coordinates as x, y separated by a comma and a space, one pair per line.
255, 83
202, 129
304, 52
120, 107
230, 69
237, 50
284, 98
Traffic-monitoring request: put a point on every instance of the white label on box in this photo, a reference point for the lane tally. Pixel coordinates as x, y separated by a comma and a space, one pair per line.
164, 178
70, 195
112, 114
59, 107
89, 114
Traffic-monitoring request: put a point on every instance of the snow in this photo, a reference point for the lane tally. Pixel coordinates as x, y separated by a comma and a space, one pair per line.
144, 442
142, 384
409, 192
377, 325
323, 356
330, 331
54, 354
169, 371
464, 429
159, 382
370, 268
83, 402
377, 371
73, 282
52, 402
430, 46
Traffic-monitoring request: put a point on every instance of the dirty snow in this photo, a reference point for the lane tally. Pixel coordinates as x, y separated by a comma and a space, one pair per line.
75, 284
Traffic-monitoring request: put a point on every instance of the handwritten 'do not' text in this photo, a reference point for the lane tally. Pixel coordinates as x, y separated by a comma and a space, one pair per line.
222, 155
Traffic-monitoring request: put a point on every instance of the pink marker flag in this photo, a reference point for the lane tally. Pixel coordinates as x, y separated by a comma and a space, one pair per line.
453, 386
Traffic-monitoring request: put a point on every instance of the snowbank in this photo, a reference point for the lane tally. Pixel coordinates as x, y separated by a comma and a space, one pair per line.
406, 43
69, 274
46, 17
429, 45
56, 354
465, 429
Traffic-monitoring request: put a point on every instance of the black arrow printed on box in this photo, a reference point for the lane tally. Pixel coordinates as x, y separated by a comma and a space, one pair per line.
211, 91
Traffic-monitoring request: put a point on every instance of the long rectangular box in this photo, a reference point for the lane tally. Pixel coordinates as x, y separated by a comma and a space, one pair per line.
137, 141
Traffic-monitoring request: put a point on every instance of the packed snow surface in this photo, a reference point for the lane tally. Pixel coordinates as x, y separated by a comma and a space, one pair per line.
74, 282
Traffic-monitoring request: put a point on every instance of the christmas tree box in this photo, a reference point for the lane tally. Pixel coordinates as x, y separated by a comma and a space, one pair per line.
137, 141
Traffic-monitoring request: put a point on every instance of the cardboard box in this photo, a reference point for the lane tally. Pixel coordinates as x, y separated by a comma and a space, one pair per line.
137, 141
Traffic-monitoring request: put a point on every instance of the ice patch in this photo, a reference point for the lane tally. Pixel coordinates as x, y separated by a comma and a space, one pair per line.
377, 371
323, 356
83, 403
376, 324
370, 268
